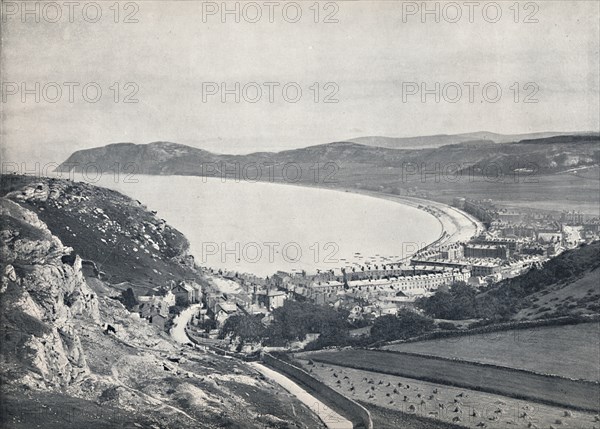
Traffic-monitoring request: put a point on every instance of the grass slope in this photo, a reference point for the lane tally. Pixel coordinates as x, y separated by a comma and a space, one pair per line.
125, 241
568, 351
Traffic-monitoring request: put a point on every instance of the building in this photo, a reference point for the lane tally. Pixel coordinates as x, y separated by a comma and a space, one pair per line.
486, 268
549, 236
155, 309
492, 251
184, 293
275, 299
280, 279
509, 217
401, 288
514, 245
326, 287
453, 251
269, 298
223, 311
158, 320
572, 217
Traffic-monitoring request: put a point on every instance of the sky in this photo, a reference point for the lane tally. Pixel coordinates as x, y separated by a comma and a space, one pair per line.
175, 61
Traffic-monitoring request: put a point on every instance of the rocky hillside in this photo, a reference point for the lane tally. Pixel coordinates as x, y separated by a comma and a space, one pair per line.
126, 243
43, 296
61, 369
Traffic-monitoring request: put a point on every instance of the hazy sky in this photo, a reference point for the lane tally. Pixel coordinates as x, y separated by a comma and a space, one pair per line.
370, 57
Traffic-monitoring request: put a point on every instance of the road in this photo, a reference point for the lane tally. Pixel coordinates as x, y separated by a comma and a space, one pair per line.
331, 419
181, 321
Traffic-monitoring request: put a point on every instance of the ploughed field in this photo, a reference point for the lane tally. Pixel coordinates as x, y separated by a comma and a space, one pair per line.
571, 351
582, 395
402, 402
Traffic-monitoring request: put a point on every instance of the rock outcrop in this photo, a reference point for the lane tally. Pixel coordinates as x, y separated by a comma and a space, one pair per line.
43, 294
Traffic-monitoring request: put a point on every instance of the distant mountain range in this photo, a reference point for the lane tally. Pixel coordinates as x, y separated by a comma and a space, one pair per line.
544, 155
428, 142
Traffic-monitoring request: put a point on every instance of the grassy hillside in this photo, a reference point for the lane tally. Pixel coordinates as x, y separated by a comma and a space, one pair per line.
125, 241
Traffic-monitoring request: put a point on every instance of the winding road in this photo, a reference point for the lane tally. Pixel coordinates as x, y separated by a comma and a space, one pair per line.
180, 322
331, 419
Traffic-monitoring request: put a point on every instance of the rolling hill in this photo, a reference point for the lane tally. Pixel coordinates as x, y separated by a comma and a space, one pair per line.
434, 141
554, 173
552, 154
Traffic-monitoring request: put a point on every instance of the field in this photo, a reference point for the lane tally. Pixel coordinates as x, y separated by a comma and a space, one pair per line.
387, 418
400, 402
567, 351
506, 382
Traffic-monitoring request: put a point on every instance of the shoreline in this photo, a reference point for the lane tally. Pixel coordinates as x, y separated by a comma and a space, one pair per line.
455, 224
450, 218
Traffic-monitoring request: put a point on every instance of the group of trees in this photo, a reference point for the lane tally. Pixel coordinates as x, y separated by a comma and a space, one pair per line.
291, 322
246, 328
294, 320
458, 302
406, 324
462, 302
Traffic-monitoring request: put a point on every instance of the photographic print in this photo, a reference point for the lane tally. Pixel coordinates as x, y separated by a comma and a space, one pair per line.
300, 214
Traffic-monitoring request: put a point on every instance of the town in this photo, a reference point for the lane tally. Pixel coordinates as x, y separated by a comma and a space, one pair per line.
513, 242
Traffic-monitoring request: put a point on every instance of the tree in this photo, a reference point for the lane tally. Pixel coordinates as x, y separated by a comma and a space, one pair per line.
208, 324
128, 298
459, 303
406, 324
294, 320
247, 328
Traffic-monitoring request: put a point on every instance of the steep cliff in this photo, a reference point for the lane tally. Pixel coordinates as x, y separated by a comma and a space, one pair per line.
43, 294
